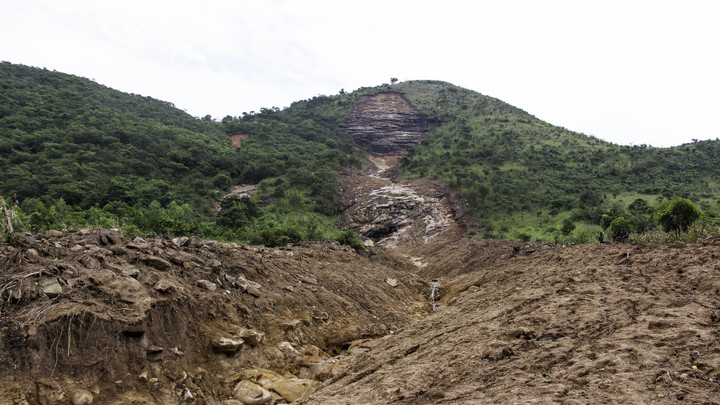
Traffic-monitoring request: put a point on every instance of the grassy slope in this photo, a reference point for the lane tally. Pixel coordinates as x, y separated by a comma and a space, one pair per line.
525, 176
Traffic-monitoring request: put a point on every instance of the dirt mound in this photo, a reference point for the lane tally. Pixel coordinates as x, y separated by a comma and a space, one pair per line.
91, 317
519, 323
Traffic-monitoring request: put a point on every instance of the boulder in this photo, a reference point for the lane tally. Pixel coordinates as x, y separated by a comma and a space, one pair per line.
32, 255
108, 237
157, 262
248, 286
180, 241
291, 389
163, 287
227, 345
51, 287
194, 242
208, 285
130, 272
251, 336
117, 250
250, 393
181, 258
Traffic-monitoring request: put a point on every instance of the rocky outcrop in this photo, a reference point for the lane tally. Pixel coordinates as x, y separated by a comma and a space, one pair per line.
386, 123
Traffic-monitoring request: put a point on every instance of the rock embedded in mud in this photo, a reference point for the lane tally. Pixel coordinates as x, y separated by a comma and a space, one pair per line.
157, 262
32, 256
291, 389
250, 393
130, 272
117, 250
194, 242
108, 238
163, 287
51, 287
248, 286
251, 336
180, 240
208, 285
81, 397
227, 345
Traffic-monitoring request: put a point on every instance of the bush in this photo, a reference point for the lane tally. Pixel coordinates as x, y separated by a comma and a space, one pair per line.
677, 215
349, 238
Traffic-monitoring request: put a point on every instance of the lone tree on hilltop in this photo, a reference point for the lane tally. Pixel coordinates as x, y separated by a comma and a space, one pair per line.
393, 80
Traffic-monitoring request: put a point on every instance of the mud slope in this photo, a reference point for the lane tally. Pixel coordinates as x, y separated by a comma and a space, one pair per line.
91, 317
533, 323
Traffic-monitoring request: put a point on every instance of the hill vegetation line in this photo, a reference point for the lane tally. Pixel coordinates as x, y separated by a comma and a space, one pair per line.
78, 154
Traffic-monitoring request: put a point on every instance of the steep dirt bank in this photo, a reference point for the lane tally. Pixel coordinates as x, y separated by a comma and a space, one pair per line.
533, 323
90, 317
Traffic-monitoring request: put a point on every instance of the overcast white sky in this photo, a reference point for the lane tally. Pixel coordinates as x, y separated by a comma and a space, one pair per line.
630, 72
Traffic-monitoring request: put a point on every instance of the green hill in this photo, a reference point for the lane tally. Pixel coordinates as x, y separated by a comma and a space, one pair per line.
525, 177
76, 153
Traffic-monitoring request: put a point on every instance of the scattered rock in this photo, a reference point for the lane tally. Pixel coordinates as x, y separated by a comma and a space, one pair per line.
32, 256
157, 262
51, 287
227, 345
55, 234
290, 325
90, 263
117, 249
208, 285
291, 389
288, 349
251, 336
180, 241
194, 242
250, 393
248, 286
130, 272
391, 282
110, 236
81, 397
163, 287
181, 258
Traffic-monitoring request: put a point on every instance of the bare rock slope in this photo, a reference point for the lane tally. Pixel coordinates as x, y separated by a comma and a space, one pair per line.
386, 123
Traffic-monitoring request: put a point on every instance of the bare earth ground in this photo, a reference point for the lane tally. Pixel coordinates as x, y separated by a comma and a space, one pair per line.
90, 317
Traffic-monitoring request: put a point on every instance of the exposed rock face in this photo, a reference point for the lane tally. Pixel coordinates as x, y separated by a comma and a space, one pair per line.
386, 123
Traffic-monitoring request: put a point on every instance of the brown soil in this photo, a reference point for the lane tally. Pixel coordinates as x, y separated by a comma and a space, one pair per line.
91, 317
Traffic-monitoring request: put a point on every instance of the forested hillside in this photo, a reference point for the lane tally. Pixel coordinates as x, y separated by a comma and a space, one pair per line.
75, 153
526, 178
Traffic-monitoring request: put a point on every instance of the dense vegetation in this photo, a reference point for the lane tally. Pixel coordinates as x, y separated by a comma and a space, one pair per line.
528, 179
75, 153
